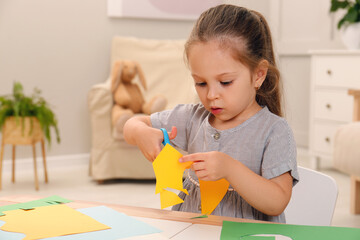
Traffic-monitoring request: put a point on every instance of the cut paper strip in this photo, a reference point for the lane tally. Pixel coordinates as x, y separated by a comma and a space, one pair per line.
48, 201
238, 230
212, 192
169, 173
168, 199
49, 221
122, 226
201, 216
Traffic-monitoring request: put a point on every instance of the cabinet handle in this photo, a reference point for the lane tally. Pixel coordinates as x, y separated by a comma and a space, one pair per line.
328, 106
329, 72
327, 139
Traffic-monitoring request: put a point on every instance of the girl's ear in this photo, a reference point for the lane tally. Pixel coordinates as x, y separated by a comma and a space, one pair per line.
260, 73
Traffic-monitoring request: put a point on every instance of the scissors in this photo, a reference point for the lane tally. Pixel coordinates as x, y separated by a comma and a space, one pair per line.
166, 137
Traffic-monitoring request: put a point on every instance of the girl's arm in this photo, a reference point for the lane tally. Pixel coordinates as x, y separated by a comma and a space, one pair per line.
139, 131
268, 196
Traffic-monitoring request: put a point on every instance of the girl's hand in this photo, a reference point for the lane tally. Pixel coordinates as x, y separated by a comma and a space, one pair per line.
149, 141
139, 131
209, 166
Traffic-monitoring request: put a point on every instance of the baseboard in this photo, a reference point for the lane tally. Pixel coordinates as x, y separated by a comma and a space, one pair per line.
61, 161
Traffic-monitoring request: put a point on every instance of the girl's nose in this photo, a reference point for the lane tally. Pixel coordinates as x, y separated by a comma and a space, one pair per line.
213, 93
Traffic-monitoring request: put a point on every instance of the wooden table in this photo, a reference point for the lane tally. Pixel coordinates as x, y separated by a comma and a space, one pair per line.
176, 225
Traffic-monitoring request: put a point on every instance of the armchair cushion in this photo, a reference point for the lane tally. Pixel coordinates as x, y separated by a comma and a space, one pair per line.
165, 73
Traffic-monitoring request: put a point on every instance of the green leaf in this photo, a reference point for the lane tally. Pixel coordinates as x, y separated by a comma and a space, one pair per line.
335, 5
18, 90
352, 15
340, 23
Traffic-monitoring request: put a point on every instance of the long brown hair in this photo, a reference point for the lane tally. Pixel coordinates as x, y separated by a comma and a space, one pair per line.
247, 33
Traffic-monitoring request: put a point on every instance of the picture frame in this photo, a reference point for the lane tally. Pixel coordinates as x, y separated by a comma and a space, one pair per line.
159, 9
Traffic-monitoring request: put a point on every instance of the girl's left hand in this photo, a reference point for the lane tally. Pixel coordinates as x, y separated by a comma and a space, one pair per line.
209, 166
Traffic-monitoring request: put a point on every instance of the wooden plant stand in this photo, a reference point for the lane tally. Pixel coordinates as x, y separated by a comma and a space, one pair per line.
13, 133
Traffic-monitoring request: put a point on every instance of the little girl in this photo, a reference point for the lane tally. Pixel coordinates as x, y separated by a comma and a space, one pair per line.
237, 131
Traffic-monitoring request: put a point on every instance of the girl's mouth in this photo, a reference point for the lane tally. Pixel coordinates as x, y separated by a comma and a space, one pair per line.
215, 110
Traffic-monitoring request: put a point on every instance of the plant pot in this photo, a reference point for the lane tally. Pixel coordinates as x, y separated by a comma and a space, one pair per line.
351, 36
14, 132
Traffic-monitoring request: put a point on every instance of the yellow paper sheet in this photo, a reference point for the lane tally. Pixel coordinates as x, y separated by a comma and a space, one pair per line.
212, 192
169, 172
49, 221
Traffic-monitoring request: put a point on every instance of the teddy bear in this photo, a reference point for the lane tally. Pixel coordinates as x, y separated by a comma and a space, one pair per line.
128, 98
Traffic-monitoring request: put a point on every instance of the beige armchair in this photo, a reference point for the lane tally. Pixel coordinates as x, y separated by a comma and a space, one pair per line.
166, 74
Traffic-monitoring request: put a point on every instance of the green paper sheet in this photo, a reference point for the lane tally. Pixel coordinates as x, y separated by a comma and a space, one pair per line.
52, 200
237, 230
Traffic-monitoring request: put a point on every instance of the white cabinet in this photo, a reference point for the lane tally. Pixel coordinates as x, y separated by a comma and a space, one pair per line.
332, 74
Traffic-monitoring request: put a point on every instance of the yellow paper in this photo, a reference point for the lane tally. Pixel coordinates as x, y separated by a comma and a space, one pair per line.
49, 221
168, 199
212, 192
169, 173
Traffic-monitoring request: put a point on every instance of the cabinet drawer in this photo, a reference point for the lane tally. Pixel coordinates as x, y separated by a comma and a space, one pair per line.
333, 105
323, 137
337, 71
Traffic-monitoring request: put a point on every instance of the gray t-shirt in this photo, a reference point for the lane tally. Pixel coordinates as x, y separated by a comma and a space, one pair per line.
264, 143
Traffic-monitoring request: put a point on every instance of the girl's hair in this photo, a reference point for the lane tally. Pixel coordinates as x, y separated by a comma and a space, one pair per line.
247, 33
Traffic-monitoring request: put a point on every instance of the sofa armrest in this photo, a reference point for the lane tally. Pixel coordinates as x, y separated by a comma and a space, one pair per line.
100, 102
346, 152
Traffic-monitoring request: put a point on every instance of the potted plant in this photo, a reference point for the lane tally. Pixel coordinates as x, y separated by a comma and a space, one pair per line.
349, 23
26, 119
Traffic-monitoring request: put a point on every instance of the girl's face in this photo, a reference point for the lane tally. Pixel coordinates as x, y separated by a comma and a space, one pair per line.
225, 86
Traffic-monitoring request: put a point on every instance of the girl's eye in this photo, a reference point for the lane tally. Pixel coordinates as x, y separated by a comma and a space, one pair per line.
200, 84
225, 83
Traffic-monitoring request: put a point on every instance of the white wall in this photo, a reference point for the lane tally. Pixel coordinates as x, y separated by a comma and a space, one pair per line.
298, 27
62, 47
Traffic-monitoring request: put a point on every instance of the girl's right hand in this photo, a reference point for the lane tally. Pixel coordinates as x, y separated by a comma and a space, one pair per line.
149, 141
